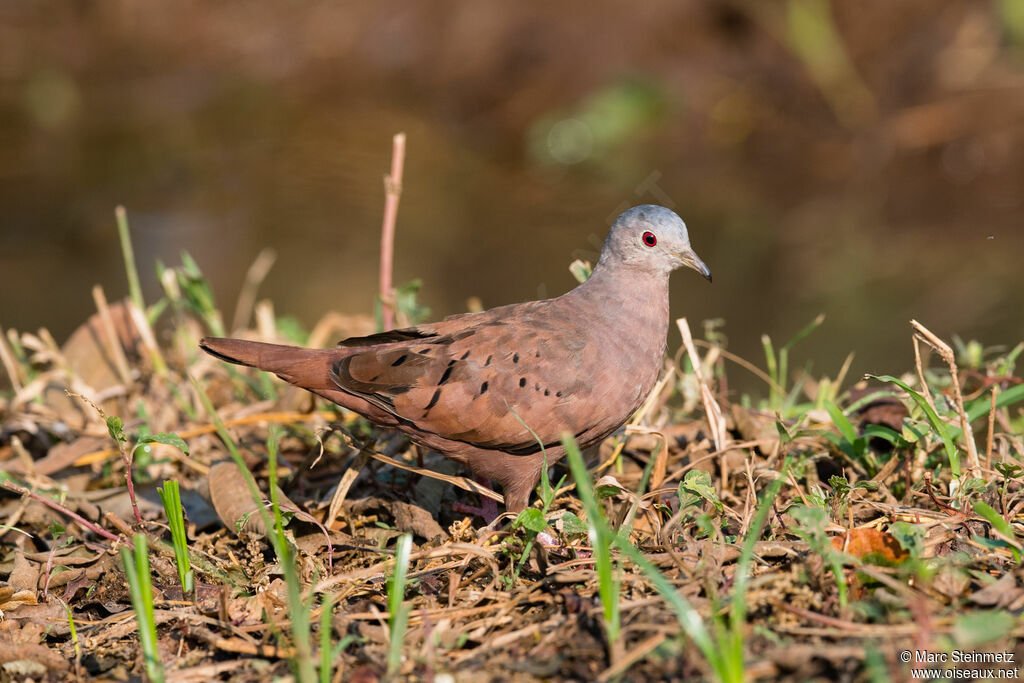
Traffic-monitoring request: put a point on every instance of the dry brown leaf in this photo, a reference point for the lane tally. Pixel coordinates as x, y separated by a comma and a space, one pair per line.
864, 542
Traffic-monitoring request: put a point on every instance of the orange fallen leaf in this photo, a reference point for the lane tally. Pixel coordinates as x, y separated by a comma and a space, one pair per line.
862, 542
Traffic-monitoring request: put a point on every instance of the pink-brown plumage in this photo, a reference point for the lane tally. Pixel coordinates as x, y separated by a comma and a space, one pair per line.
580, 363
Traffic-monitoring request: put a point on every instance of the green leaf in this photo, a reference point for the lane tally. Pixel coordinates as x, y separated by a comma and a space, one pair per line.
973, 487
115, 426
581, 270
1009, 470
997, 543
167, 439
983, 626
841, 422
995, 519
698, 483
884, 433
811, 520
940, 427
532, 519
840, 486
910, 537
572, 525
784, 434
981, 407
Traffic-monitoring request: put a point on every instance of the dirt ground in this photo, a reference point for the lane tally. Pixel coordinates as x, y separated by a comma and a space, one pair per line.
863, 551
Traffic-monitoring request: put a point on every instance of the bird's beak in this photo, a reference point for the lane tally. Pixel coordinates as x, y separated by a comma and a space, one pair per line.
691, 260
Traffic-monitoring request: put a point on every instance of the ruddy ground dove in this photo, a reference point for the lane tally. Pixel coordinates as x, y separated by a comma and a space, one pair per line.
469, 386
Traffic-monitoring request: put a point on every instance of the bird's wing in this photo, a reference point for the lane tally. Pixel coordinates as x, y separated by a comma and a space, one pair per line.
484, 379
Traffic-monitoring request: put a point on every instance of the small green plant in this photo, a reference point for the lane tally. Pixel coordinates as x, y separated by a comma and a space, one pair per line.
811, 523
72, 629
694, 491
408, 309
299, 610
1008, 538
327, 653
938, 425
140, 586
690, 621
398, 611
601, 538
115, 427
171, 497
534, 520
729, 638
841, 490
778, 368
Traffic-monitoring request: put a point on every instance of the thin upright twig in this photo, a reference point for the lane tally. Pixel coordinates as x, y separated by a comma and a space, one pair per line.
946, 352
254, 277
7, 360
392, 193
991, 429
113, 339
711, 408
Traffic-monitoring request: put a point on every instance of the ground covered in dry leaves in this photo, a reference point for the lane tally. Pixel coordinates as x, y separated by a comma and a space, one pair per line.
871, 547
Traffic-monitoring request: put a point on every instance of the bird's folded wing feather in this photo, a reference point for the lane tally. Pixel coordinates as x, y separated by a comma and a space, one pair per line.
479, 379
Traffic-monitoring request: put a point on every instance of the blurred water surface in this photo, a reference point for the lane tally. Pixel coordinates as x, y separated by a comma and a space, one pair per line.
863, 160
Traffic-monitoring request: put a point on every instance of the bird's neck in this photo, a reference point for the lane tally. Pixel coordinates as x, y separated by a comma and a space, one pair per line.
627, 296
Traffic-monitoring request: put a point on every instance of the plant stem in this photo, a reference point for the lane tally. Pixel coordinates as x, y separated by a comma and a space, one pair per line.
392, 193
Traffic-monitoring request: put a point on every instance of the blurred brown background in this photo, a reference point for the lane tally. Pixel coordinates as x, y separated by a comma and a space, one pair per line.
864, 159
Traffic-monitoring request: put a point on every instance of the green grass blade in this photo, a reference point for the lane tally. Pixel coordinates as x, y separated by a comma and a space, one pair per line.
171, 498
140, 587
134, 289
326, 651
397, 610
941, 428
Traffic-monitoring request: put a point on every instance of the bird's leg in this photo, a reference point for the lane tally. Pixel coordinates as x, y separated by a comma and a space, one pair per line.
488, 509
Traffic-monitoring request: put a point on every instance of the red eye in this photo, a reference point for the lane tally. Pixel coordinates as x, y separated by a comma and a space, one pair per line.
650, 239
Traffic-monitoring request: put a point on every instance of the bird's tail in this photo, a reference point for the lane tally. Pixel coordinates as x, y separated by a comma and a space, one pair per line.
307, 368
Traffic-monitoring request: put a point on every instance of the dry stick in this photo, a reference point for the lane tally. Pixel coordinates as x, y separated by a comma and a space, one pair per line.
253, 279
946, 352
148, 339
64, 511
338, 499
991, 429
921, 454
266, 323
714, 413
7, 358
919, 365
392, 193
113, 340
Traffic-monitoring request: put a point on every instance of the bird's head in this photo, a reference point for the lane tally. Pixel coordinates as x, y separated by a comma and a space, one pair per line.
652, 238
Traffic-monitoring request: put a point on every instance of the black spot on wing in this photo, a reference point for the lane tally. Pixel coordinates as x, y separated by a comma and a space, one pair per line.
446, 376
483, 388
408, 334
433, 399
401, 359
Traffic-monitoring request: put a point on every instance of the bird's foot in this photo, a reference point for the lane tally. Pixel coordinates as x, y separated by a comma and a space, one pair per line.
488, 509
